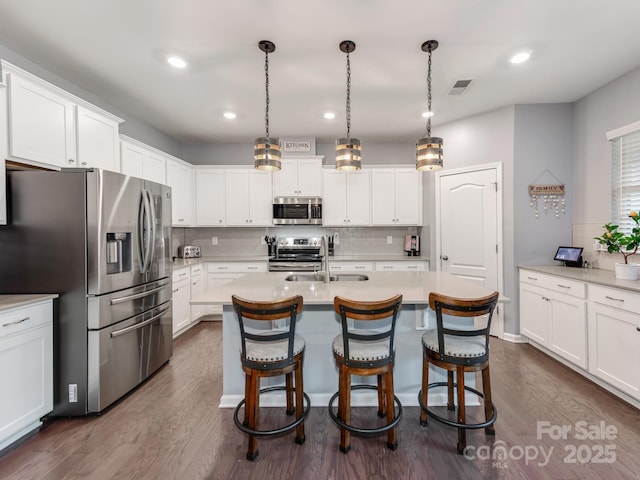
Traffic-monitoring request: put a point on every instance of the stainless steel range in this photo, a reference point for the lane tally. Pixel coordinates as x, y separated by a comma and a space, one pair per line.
297, 255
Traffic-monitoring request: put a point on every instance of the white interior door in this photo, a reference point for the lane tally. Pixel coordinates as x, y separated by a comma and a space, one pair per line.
467, 222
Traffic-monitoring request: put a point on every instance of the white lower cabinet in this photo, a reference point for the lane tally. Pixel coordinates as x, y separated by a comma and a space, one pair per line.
198, 285
553, 314
403, 266
614, 338
26, 369
181, 294
221, 273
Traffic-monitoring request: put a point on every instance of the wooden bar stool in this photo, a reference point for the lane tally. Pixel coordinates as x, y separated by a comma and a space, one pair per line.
460, 351
359, 351
265, 353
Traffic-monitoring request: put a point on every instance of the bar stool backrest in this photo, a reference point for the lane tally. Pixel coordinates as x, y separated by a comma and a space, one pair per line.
287, 308
457, 307
378, 310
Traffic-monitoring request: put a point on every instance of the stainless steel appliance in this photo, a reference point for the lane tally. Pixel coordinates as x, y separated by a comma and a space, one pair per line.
297, 255
188, 251
297, 211
102, 241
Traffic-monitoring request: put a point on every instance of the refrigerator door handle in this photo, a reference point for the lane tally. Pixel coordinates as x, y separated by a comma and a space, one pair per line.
139, 325
144, 241
152, 242
128, 298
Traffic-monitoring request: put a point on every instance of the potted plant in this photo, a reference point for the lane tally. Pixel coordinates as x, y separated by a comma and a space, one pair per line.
626, 244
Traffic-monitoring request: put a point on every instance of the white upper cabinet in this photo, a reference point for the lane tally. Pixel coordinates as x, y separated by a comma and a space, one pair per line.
299, 177
3, 153
97, 140
140, 160
346, 199
180, 179
396, 197
210, 196
249, 198
50, 127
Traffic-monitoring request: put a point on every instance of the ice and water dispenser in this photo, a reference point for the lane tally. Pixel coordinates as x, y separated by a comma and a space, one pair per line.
119, 252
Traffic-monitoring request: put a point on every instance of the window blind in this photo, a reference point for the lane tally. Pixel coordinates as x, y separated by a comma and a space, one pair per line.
625, 181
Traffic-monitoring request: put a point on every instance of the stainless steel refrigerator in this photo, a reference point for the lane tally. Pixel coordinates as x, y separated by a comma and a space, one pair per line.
102, 241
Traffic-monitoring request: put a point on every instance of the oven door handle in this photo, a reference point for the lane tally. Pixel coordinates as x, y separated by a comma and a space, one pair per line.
139, 325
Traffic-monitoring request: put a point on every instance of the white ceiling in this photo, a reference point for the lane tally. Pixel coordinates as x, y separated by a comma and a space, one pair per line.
116, 49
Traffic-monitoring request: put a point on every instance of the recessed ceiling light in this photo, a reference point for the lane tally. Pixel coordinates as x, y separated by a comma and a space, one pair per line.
229, 115
520, 57
177, 62
427, 114
329, 115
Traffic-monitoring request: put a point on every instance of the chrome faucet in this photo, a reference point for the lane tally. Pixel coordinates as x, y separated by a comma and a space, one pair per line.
324, 251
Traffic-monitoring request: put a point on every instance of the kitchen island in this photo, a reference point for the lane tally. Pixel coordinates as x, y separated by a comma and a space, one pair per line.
318, 324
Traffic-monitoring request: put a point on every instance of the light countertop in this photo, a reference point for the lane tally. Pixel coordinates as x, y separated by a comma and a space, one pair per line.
414, 286
21, 300
590, 275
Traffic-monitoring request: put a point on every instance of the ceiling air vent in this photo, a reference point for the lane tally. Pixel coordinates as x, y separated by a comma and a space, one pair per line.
459, 87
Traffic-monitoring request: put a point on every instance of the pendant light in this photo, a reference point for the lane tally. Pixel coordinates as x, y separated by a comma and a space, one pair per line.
266, 150
348, 149
428, 148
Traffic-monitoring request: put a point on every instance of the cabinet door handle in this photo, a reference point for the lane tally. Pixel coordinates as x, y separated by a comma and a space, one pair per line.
638, 329
533, 278
16, 322
563, 286
545, 298
614, 299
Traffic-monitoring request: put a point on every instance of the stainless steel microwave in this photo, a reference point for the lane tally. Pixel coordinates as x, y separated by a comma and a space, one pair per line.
297, 211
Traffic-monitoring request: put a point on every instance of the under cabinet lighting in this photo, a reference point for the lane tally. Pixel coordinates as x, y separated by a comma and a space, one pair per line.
177, 62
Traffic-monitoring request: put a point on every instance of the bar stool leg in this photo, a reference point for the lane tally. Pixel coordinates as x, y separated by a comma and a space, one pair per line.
382, 408
450, 405
462, 432
288, 378
300, 437
392, 441
345, 394
488, 403
425, 390
251, 408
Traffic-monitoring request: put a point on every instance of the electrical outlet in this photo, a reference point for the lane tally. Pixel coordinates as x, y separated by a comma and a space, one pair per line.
336, 239
389, 239
214, 240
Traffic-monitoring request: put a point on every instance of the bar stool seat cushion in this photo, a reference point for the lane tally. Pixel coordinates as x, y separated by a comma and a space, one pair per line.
273, 351
455, 346
360, 350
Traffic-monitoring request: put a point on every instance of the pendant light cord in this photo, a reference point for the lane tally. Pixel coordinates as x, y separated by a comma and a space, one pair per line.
266, 86
429, 114
348, 95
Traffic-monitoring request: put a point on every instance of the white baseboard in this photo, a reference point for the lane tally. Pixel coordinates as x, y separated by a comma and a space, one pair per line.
510, 337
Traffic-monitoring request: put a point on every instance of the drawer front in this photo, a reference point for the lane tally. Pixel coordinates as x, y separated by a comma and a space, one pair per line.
616, 298
557, 284
25, 318
180, 274
196, 270
401, 266
236, 267
351, 266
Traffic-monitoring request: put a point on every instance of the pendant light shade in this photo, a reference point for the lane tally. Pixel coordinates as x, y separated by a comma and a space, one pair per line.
266, 150
428, 148
348, 156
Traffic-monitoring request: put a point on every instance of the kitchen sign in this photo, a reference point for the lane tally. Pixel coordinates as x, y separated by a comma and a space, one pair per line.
296, 147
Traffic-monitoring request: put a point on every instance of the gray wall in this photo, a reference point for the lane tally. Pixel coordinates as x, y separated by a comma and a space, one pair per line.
132, 126
612, 106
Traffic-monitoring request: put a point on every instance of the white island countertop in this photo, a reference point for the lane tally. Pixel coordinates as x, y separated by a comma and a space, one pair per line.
414, 287
591, 275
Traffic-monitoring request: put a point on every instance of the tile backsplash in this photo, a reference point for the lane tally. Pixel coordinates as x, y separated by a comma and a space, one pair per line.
248, 241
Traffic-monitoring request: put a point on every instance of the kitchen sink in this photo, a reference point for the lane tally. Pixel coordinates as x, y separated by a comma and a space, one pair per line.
319, 277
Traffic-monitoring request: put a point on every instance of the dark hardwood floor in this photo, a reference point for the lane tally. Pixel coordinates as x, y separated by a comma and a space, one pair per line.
171, 428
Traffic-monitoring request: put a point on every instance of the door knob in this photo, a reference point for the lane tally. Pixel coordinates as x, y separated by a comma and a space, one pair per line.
444, 257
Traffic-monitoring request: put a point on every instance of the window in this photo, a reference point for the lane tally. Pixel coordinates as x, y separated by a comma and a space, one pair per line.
625, 174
